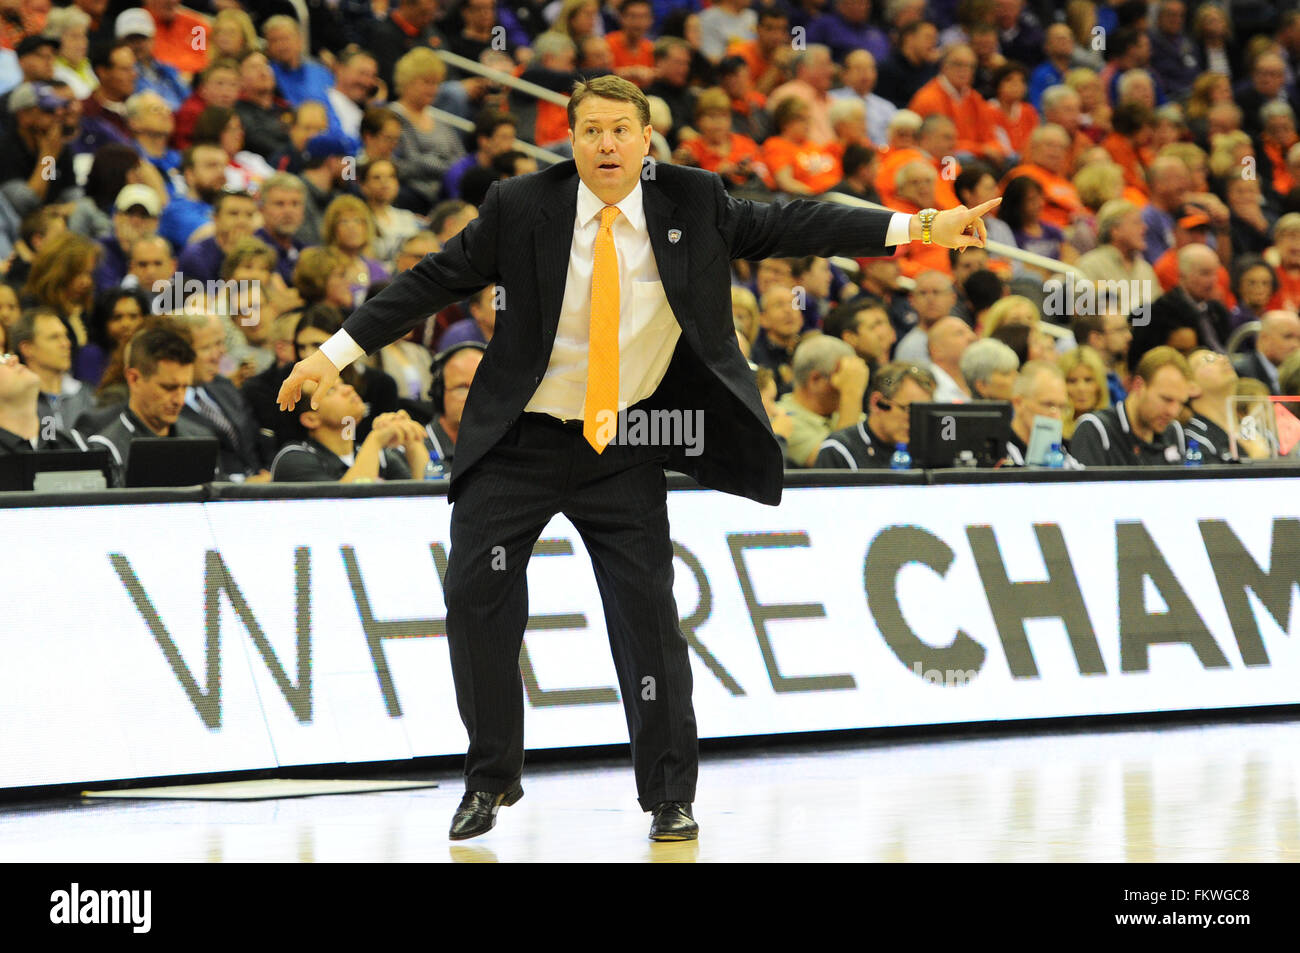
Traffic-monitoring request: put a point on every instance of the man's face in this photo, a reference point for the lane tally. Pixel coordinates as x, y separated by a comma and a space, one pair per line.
1059, 42
891, 417
118, 80
1160, 401
130, 226
819, 71
1199, 278
283, 45
235, 220
282, 211
968, 262
152, 263
457, 375
675, 67
1048, 398
502, 140
50, 348
933, 297
359, 77
949, 339
960, 69
208, 174
999, 385
1066, 113
1170, 17
1051, 152
1130, 234
1280, 339
153, 116
874, 335
1212, 372
779, 315
1118, 335
222, 88
479, 15
164, 10
338, 407
637, 18
773, 32
18, 382
609, 146
158, 399
255, 75
918, 186
38, 65
1269, 75
940, 139
209, 342
860, 72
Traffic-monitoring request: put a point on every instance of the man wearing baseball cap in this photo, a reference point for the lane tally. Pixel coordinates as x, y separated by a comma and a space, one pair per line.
135, 216
36, 163
1192, 225
136, 27
320, 166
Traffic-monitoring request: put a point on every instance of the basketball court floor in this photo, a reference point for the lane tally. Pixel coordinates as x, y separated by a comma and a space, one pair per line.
1202, 792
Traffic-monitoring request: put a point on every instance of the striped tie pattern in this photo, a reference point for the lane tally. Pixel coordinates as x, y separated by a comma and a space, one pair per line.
602, 342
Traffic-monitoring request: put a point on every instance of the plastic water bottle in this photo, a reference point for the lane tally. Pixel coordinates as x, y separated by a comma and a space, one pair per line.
1193, 458
1055, 458
901, 460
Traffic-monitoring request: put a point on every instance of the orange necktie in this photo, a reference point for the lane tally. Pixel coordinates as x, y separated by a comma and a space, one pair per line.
602, 341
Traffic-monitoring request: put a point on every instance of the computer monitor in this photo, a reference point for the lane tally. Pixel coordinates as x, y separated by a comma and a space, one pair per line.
56, 471
942, 433
172, 461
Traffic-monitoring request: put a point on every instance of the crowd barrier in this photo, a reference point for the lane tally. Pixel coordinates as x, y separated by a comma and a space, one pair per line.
232, 628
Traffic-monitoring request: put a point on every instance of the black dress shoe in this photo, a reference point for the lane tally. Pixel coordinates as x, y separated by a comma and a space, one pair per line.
477, 813
673, 821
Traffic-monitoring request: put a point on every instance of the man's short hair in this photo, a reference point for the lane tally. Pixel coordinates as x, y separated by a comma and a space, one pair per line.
890, 377
1086, 325
227, 195
818, 353
490, 120
616, 88
445, 210
844, 317
187, 157
1029, 374
246, 251
149, 346
987, 357
983, 289
282, 180
1110, 215
1158, 357
23, 331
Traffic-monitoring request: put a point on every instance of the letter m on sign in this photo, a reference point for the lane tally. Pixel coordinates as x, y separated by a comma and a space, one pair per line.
216, 580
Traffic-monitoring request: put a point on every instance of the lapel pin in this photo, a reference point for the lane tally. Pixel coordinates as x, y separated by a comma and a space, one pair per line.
674, 235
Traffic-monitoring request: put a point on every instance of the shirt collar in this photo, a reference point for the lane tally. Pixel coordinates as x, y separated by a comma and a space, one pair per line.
631, 208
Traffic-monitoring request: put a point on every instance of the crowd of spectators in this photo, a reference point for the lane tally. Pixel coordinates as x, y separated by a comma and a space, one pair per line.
156, 153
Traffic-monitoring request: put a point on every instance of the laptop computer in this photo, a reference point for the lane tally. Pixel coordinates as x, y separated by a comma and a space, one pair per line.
172, 461
56, 471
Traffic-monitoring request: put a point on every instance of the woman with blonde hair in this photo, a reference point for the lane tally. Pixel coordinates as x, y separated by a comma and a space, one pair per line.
1085, 385
577, 19
1094, 110
349, 228
427, 148
321, 276
1012, 309
62, 279
70, 27
744, 314
232, 34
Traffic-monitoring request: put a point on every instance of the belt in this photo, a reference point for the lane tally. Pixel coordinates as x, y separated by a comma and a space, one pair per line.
574, 424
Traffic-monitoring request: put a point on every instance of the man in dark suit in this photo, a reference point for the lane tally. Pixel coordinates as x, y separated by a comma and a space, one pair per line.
590, 253
1278, 339
215, 403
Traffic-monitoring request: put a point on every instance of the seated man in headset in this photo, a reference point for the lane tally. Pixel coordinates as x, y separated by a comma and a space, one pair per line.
453, 372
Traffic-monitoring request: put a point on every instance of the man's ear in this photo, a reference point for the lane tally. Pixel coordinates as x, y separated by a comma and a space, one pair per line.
310, 419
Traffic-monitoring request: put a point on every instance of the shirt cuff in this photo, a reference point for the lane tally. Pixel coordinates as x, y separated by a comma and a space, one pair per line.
900, 230
342, 350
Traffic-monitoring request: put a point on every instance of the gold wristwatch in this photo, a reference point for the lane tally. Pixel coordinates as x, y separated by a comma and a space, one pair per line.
927, 219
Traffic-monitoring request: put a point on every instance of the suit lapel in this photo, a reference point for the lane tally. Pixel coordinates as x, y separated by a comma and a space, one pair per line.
553, 241
661, 218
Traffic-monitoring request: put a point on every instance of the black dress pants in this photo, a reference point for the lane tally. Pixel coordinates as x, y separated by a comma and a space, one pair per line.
617, 501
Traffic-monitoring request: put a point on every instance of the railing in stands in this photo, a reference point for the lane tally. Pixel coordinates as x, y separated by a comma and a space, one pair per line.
537, 152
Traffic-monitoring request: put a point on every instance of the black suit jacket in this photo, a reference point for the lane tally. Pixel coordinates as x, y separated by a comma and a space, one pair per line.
252, 454
522, 240
1250, 365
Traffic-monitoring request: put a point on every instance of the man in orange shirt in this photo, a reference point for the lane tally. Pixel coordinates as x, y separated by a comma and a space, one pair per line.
814, 72
915, 185
1133, 126
764, 52
951, 94
1192, 226
1045, 164
634, 54
936, 141
181, 39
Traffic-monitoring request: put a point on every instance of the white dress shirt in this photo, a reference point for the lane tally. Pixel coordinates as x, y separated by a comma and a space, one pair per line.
648, 331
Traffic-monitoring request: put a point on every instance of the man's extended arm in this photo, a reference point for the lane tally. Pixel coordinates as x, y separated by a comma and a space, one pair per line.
466, 265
